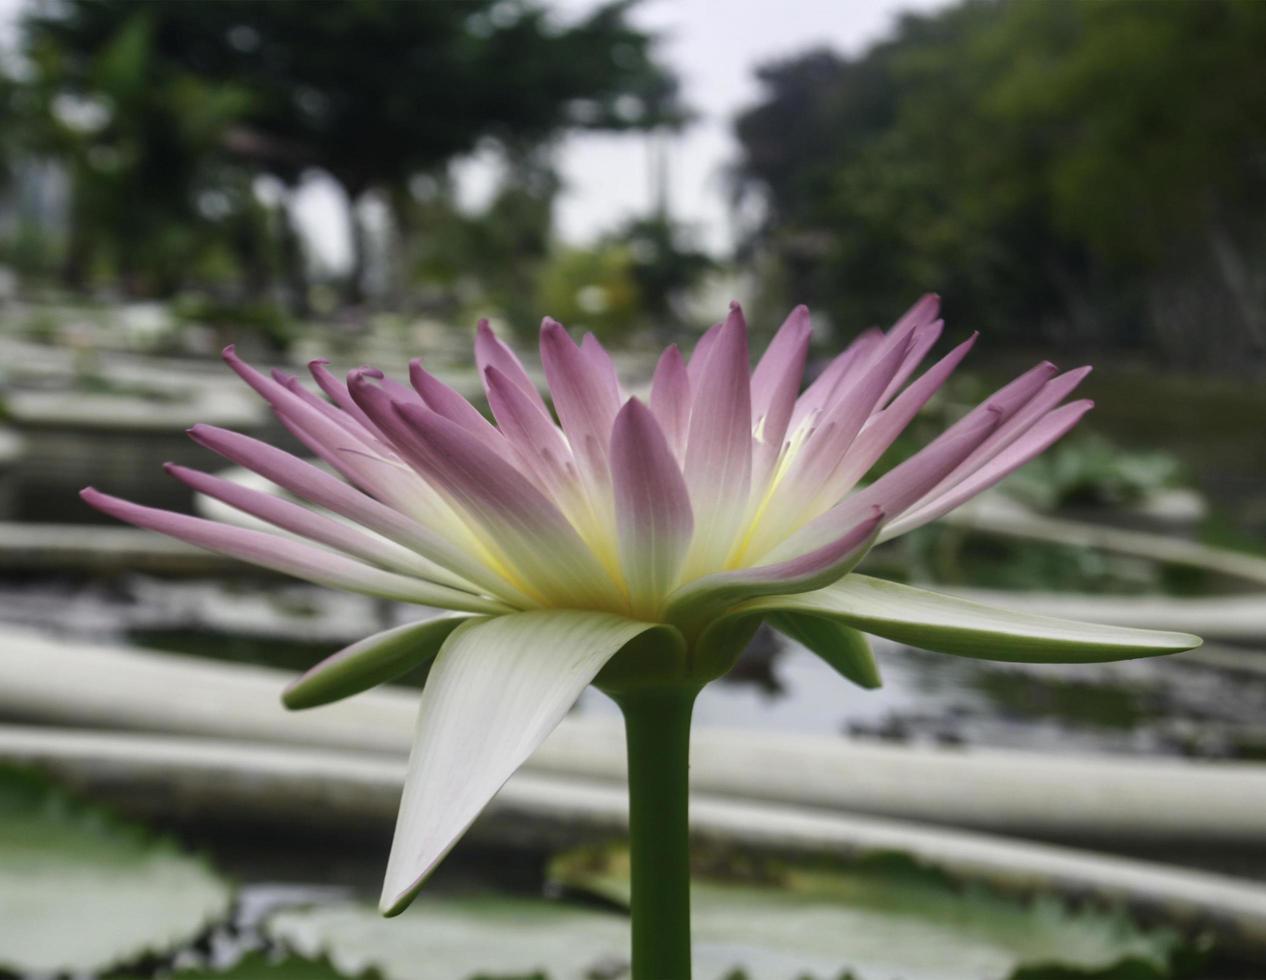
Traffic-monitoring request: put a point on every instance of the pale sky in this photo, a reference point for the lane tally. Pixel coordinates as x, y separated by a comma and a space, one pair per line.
714, 46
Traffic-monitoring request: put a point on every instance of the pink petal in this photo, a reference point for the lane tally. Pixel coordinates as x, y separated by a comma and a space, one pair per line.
288, 557
538, 445
521, 522
884, 427
337, 445
366, 434
1051, 428
515, 519
699, 356
775, 384
318, 487
896, 490
601, 364
924, 340
304, 522
824, 387
337, 392
491, 352
702, 600
718, 465
670, 398
440, 398
820, 467
1020, 406
652, 507
586, 404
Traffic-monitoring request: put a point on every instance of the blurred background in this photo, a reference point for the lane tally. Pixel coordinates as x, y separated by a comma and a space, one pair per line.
361, 180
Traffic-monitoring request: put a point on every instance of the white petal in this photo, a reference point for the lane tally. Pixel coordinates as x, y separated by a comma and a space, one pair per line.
497, 689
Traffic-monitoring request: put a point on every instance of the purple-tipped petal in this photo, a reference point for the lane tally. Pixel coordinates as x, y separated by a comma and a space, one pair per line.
540, 448
670, 398
718, 465
922, 341
318, 487
288, 557
820, 469
700, 601
652, 507
306, 523
337, 392
585, 402
775, 385
492, 352
442, 399
885, 426
601, 364
332, 441
517, 521
893, 492
1036, 440
1020, 406
699, 356
822, 391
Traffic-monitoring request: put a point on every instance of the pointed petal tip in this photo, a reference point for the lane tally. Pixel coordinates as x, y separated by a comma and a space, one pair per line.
361, 375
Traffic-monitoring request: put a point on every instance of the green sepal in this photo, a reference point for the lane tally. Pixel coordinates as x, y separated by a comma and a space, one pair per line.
968, 629
843, 647
375, 660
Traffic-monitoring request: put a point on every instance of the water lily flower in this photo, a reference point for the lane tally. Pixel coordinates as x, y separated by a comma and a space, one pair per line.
636, 543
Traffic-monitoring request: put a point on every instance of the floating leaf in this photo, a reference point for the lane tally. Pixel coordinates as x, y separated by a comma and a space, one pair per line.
258, 966
886, 919
877, 920
81, 891
485, 937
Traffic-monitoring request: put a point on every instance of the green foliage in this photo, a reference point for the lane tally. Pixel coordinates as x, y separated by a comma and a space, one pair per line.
258, 966
81, 891
881, 917
1076, 171
1089, 469
166, 113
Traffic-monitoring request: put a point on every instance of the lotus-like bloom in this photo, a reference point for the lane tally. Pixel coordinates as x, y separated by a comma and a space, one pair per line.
635, 540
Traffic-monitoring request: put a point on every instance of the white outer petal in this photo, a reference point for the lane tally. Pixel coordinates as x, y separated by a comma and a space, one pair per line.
497, 689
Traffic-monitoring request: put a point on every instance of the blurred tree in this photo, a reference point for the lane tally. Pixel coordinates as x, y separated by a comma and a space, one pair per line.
665, 266
138, 136
374, 92
1088, 171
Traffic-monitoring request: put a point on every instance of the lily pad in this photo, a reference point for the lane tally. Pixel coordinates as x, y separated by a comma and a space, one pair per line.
82, 891
259, 966
490, 937
885, 920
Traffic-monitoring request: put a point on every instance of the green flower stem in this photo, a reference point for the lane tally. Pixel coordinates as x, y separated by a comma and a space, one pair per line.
657, 725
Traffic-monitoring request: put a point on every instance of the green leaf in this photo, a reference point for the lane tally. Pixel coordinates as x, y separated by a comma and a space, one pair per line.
968, 629
487, 937
845, 649
81, 891
258, 966
878, 919
886, 917
372, 661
